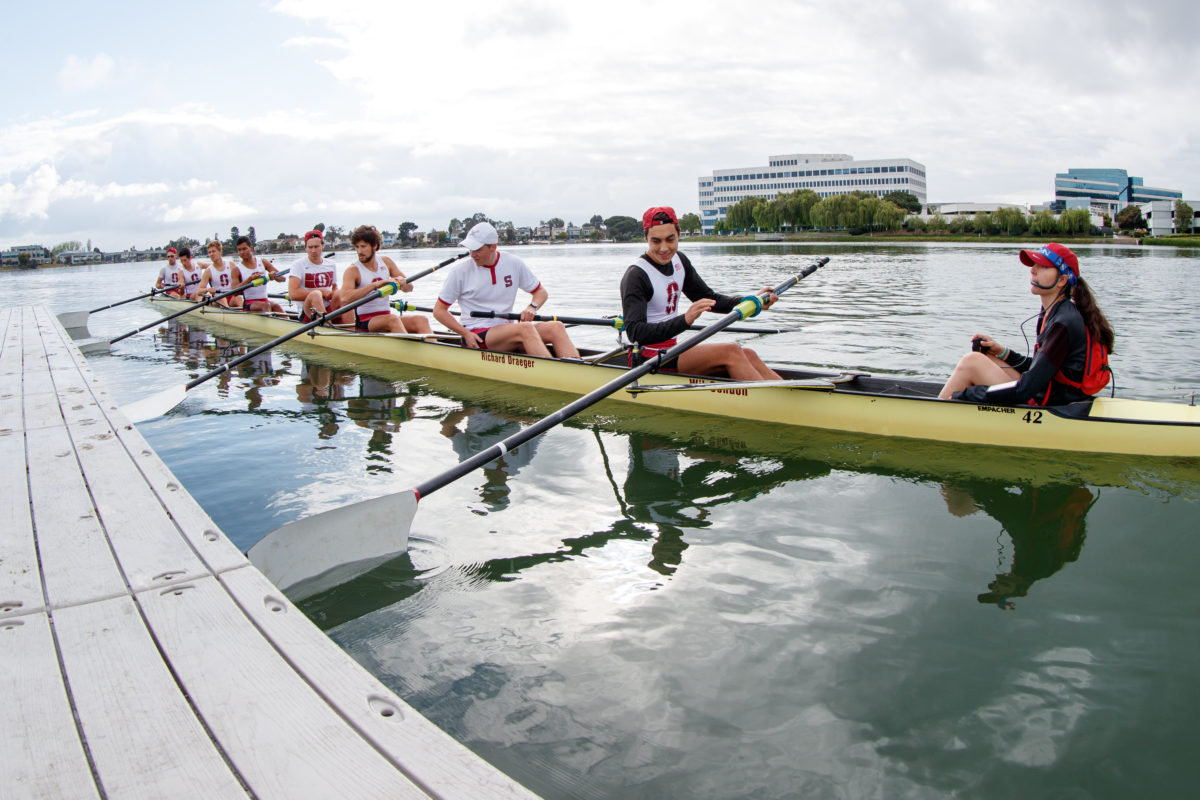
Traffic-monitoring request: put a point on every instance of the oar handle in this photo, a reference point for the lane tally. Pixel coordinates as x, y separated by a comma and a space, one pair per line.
385, 289
256, 281
748, 307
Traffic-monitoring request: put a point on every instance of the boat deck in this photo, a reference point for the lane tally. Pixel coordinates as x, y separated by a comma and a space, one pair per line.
140, 653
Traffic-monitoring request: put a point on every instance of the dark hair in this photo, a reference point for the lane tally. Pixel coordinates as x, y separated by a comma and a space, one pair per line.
368, 234
1093, 317
241, 240
187, 251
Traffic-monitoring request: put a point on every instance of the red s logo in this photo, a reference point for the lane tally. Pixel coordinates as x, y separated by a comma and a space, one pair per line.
508, 280
672, 297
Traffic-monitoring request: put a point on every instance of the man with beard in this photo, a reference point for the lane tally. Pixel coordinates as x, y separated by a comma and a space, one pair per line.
362, 278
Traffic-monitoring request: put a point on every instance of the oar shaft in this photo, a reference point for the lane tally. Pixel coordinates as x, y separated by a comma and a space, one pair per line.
604, 322
258, 281
744, 309
139, 297
308, 326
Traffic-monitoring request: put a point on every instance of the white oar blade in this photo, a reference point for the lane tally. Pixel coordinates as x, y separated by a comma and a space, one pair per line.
74, 320
155, 405
335, 546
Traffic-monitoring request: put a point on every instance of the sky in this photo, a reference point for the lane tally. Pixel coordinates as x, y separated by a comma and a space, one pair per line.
133, 123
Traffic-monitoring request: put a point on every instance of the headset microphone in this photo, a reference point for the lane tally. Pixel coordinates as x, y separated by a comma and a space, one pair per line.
1038, 285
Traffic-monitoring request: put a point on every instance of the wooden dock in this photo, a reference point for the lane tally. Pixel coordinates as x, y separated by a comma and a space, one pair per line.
141, 654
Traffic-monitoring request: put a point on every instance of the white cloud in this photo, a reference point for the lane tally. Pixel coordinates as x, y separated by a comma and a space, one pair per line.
219, 207
77, 75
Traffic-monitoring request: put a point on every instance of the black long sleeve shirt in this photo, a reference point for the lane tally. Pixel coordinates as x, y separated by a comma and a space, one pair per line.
636, 291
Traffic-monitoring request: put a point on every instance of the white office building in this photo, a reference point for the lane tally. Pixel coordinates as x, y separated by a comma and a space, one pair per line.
826, 174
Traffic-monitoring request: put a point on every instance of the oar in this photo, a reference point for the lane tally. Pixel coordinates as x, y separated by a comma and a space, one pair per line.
160, 403
607, 322
78, 319
255, 281
342, 543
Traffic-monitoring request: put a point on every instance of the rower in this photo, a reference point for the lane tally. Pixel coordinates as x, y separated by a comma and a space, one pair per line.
168, 276
313, 281
218, 277
360, 279
650, 292
190, 274
250, 266
489, 283
1073, 342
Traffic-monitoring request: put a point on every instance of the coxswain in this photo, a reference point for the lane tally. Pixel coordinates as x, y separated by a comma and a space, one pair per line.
1069, 322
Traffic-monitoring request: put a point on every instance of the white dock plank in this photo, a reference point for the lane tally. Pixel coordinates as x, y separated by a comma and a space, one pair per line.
143, 737
42, 754
281, 737
20, 583
77, 563
428, 755
149, 547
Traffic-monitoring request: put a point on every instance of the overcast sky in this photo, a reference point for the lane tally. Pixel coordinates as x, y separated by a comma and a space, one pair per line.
132, 123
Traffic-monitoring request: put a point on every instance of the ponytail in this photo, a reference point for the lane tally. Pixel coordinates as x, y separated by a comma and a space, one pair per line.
1093, 317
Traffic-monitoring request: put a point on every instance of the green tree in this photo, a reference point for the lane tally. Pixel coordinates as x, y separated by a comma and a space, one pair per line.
596, 221
510, 234
320, 226
406, 231
1185, 217
1043, 223
623, 229
233, 234
1011, 221
719, 227
1130, 218
253, 236
740, 215
690, 223
796, 207
1075, 221
905, 200
63, 247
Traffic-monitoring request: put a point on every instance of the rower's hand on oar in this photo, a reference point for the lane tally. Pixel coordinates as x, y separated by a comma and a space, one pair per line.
697, 308
771, 296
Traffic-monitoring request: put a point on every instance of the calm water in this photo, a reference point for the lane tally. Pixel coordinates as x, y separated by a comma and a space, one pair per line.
642, 605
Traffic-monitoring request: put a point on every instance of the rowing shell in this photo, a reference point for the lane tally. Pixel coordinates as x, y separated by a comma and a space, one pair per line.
852, 402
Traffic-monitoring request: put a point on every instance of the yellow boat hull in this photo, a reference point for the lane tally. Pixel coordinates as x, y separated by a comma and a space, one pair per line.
858, 404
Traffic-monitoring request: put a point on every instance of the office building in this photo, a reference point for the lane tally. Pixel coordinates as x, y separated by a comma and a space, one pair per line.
1105, 191
826, 174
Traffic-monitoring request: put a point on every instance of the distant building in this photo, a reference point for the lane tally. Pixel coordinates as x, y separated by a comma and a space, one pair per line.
959, 209
826, 174
1161, 221
1105, 191
25, 255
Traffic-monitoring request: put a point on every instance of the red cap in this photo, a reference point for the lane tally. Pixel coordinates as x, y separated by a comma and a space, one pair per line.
172, 250
313, 235
1053, 255
659, 215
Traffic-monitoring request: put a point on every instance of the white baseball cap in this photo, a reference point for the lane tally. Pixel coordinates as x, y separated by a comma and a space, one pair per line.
481, 234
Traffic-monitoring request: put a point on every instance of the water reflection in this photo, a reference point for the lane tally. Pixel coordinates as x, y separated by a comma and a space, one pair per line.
380, 406
1046, 526
480, 429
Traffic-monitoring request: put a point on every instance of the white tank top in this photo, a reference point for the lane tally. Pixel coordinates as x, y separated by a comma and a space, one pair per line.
368, 276
254, 293
664, 303
222, 280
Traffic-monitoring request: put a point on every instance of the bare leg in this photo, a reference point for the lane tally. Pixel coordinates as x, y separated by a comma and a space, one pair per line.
729, 358
555, 333
977, 369
516, 337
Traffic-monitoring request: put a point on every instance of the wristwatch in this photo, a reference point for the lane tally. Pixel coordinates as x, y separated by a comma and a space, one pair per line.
534, 306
